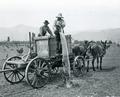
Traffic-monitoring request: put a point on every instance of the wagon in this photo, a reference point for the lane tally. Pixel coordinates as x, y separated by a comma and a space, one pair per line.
37, 65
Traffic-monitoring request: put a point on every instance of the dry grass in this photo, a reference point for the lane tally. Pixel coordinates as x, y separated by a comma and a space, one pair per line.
96, 84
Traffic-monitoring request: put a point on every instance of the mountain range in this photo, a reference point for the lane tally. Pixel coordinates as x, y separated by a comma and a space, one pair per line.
106, 34
20, 32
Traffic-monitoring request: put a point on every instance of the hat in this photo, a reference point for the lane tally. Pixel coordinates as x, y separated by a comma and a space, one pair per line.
59, 15
46, 21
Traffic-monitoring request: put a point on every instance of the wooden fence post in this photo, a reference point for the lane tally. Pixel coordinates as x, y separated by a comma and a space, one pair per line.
30, 40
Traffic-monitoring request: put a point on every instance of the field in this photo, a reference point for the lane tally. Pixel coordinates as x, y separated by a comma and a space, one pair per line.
96, 84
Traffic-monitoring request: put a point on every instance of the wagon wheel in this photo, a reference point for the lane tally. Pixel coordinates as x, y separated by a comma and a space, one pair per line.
37, 72
79, 66
14, 75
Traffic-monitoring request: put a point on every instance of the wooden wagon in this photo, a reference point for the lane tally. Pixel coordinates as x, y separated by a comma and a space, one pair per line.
37, 65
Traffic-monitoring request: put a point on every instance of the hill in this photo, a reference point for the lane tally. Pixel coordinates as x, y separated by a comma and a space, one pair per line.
19, 32
109, 34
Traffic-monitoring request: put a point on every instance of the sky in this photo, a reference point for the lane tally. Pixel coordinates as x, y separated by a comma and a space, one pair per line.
79, 15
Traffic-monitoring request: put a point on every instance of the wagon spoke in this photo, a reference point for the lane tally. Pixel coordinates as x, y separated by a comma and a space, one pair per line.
37, 82
10, 74
12, 77
21, 74
45, 70
34, 80
43, 65
35, 64
45, 75
39, 63
15, 78
31, 69
18, 76
40, 80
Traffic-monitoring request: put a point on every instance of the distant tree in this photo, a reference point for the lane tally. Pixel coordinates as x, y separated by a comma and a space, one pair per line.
76, 42
110, 42
8, 39
33, 36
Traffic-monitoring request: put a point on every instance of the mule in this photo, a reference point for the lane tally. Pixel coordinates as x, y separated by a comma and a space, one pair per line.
80, 49
97, 51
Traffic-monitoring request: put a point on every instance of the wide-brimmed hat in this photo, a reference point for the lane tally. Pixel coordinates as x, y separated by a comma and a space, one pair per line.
59, 15
46, 22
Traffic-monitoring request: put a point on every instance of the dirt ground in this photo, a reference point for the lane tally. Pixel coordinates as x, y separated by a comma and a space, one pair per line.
95, 84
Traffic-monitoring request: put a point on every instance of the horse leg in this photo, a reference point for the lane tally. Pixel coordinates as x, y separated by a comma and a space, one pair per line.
88, 66
101, 58
97, 62
93, 64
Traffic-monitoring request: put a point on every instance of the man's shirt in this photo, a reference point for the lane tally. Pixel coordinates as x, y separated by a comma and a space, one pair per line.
60, 23
44, 29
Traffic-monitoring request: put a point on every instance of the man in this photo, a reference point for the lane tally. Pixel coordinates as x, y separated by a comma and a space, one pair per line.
58, 25
44, 29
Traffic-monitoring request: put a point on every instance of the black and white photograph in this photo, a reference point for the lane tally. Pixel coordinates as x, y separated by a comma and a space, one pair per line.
59, 48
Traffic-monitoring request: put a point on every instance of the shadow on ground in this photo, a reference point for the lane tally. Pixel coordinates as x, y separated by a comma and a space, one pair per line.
108, 69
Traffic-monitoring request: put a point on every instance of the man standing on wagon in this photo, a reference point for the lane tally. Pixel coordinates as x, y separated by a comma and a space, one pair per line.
58, 25
44, 29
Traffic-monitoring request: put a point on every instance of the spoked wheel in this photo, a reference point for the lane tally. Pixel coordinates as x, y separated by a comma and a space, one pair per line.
79, 66
37, 72
13, 75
